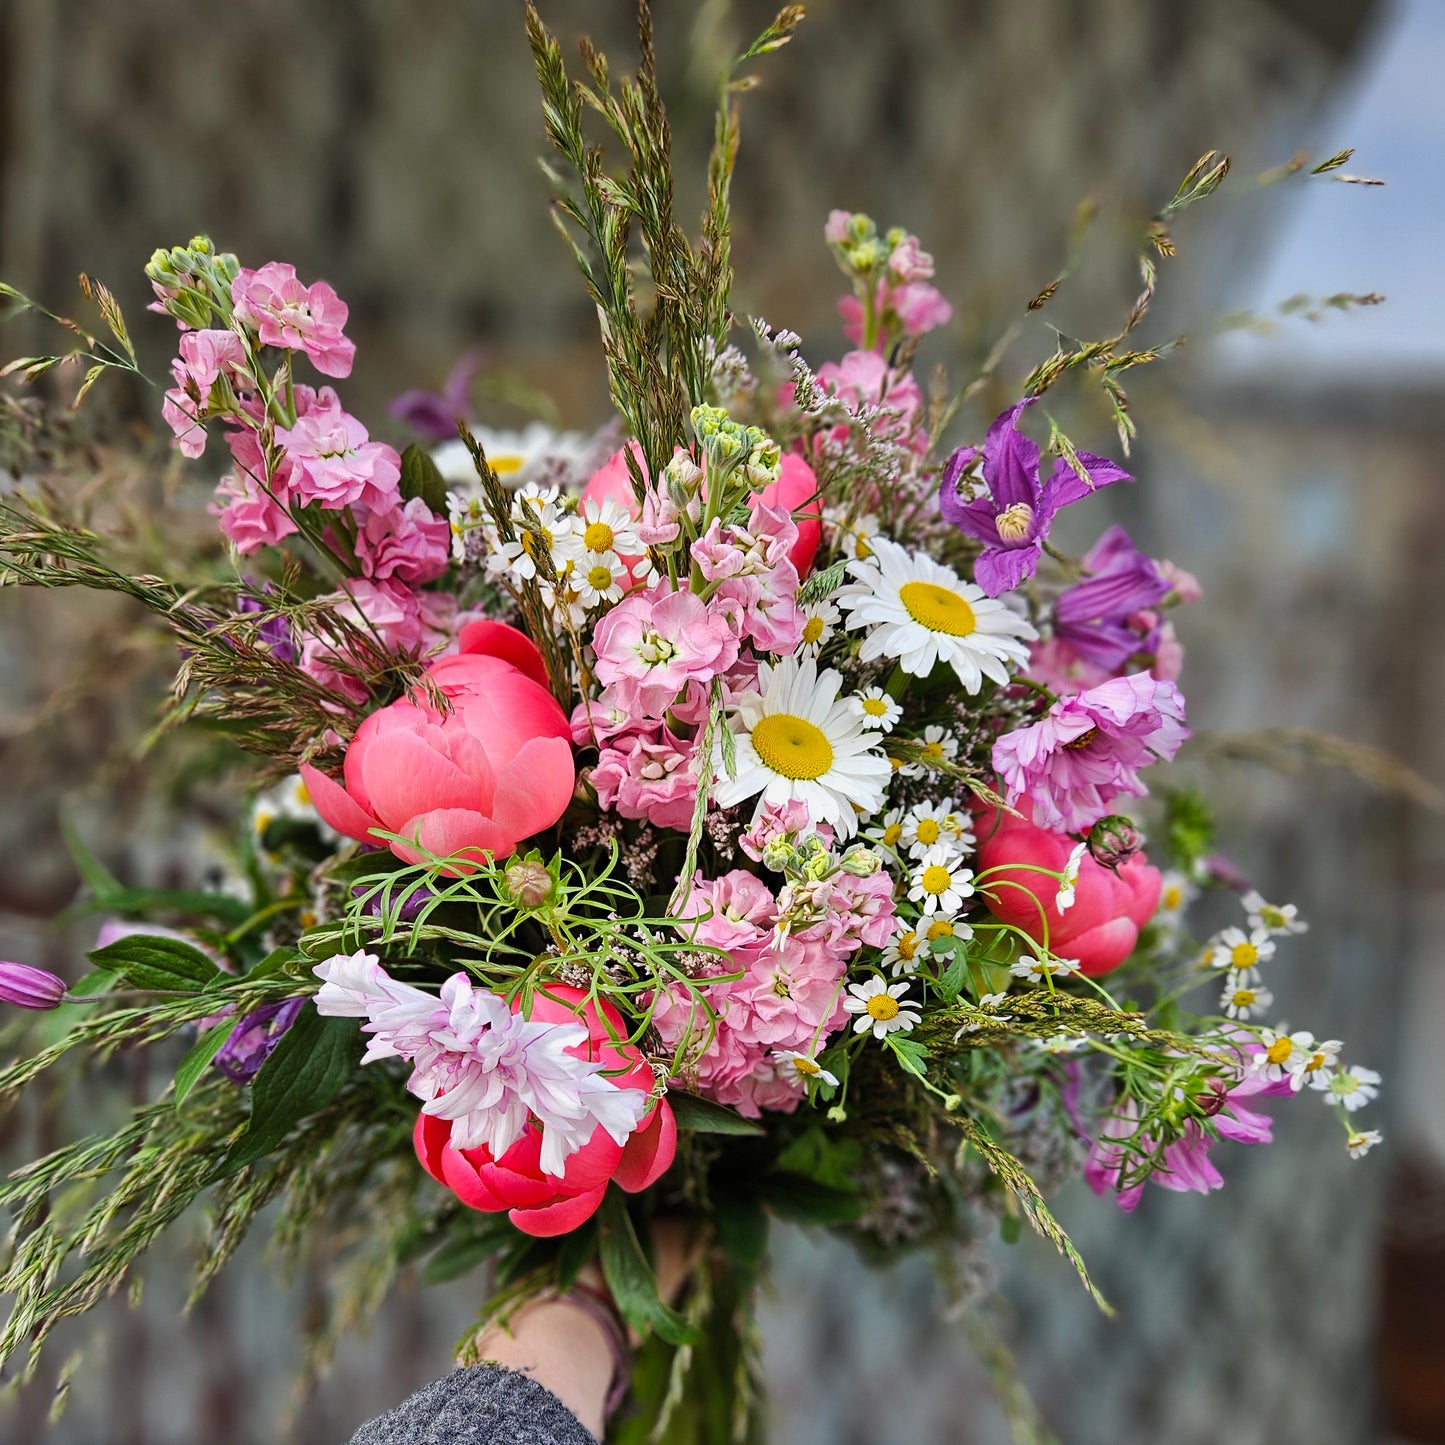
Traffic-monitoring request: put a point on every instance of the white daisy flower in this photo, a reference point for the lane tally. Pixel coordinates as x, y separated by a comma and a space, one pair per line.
888, 830
876, 708
902, 954
598, 577
939, 746
940, 883
993, 1002
923, 613
1278, 1052
819, 620
1037, 969
1272, 918
1314, 1065
943, 927
1231, 949
1242, 997
545, 536
928, 825
1360, 1143
1176, 893
1064, 899
854, 534
878, 1007
516, 457
797, 739
1353, 1087
806, 1068
1064, 1043
603, 528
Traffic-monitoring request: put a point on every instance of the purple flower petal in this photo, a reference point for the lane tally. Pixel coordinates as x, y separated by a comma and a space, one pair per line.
1001, 569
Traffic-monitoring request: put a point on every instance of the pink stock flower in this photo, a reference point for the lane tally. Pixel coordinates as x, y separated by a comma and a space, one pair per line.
495, 769
759, 583
915, 309
1087, 751
864, 380
1101, 927
908, 261
1186, 584
835, 231
787, 824
1058, 667
248, 516
652, 644
285, 313
796, 493
733, 912
387, 614
205, 356
409, 543
335, 464
651, 775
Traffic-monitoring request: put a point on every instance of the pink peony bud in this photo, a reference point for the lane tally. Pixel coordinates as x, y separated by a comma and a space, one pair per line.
28, 987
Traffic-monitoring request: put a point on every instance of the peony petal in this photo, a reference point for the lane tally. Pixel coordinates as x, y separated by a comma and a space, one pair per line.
559, 1218
649, 1152
429, 1138
405, 775
450, 831
533, 791
336, 806
460, 1176
485, 638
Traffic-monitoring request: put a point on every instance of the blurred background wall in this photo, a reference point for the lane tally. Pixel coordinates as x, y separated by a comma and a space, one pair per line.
390, 148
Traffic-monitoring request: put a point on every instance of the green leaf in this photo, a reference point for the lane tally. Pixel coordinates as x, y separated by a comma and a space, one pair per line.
1011, 1228
206, 1048
630, 1277
822, 1156
910, 1054
460, 1256
93, 873
950, 982
148, 961
313, 1060
420, 477
702, 1116
805, 1201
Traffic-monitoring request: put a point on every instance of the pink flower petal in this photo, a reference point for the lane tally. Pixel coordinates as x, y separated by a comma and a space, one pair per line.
559, 1218
649, 1152
337, 806
535, 789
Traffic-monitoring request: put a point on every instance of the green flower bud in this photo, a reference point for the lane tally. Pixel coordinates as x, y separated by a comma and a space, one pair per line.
861, 862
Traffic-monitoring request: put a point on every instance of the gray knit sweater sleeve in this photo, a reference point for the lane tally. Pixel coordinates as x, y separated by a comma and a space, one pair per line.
483, 1405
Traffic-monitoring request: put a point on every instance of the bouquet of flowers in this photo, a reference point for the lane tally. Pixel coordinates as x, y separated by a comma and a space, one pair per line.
737, 815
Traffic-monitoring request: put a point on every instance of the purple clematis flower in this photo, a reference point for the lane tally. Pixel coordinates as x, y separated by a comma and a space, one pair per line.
255, 1038
274, 633
1094, 615
434, 415
1013, 520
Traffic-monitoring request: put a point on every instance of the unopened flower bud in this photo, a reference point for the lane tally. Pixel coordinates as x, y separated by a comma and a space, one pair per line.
817, 866
28, 987
683, 472
529, 882
1114, 840
778, 854
861, 862
1214, 1097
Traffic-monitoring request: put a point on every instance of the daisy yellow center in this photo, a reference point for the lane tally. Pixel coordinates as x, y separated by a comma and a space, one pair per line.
303, 793
940, 928
792, 746
939, 609
892, 833
933, 750
264, 821
599, 578
883, 1007
936, 879
1244, 955
1317, 1062
1243, 997
806, 1066
873, 706
928, 830
1014, 522
908, 944
504, 466
1279, 1051
598, 537
1173, 897
812, 629
862, 550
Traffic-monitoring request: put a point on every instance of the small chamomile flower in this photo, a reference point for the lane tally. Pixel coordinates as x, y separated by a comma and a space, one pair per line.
599, 577
1176, 893
806, 1068
601, 527
819, 619
1278, 1053
1064, 899
1242, 997
1314, 1065
941, 927
931, 825
1232, 949
855, 534
939, 746
1360, 1142
889, 829
939, 883
1064, 1043
1270, 918
876, 708
881, 1007
1039, 970
902, 954
1353, 1087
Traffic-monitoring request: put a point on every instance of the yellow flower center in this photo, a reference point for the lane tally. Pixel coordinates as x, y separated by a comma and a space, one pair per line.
1173, 897
792, 746
599, 578
883, 1006
1014, 522
933, 750
892, 833
303, 794
1078, 744
1273, 918
908, 945
812, 629
1279, 1051
939, 609
873, 706
504, 466
861, 549
936, 879
940, 928
806, 1066
598, 537
1316, 1062
928, 830
1243, 997
1244, 955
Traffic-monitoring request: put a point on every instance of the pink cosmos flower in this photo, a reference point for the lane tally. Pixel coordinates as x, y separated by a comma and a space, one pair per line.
285, 313
863, 379
1110, 907
651, 775
1087, 751
495, 769
336, 465
652, 644
409, 543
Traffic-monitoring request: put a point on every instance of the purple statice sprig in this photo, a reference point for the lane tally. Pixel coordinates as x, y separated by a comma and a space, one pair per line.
1013, 518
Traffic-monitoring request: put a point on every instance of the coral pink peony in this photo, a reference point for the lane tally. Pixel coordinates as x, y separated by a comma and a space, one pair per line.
796, 492
478, 779
545, 1204
1102, 926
